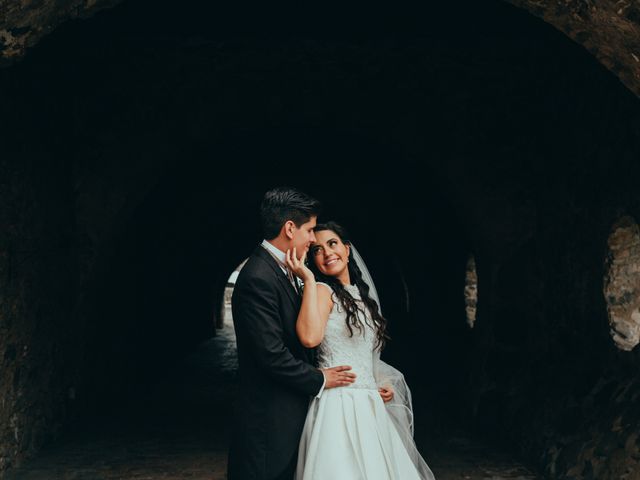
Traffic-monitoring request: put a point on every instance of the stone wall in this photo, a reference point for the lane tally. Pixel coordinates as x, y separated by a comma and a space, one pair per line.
622, 283
609, 29
58, 216
56, 223
549, 373
536, 185
23, 24
39, 350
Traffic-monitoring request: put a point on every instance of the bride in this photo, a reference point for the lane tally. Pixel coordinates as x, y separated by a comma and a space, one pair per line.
363, 431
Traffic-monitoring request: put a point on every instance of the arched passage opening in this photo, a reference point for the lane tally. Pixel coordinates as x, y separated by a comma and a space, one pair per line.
168, 272
519, 149
226, 317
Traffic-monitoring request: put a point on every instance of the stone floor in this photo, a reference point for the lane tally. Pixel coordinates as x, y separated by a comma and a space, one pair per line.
181, 432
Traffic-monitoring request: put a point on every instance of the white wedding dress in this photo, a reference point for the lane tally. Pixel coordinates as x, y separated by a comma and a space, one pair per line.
349, 433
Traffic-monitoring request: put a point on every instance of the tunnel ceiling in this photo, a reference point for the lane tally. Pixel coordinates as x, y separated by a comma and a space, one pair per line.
609, 29
24, 23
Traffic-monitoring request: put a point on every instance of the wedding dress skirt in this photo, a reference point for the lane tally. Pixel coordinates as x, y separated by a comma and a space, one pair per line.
350, 433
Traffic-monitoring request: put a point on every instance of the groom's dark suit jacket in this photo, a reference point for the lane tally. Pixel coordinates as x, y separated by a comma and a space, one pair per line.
276, 373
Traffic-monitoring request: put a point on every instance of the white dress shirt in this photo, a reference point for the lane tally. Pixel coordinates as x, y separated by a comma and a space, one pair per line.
282, 257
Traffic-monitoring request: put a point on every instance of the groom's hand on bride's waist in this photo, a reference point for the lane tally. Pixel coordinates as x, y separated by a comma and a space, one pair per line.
338, 376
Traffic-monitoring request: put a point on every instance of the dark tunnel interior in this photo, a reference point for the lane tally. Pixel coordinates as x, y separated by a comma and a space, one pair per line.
137, 146
163, 282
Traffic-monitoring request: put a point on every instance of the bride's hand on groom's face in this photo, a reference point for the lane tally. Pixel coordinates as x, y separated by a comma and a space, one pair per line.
338, 376
298, 266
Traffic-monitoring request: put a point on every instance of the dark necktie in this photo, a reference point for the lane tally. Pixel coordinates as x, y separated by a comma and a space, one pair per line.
294, 281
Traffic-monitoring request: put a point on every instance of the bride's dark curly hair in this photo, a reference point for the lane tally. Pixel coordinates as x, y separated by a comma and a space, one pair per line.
344, 297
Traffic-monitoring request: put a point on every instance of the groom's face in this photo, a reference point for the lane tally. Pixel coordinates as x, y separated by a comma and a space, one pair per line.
303, 236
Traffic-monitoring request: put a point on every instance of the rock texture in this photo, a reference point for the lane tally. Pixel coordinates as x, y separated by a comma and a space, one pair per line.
622, 283
24, 22
123, 216
609, 29
37, 318
607, 446
471, 291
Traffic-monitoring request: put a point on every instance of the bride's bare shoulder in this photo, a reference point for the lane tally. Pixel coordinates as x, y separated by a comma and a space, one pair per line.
325, 287
325, 293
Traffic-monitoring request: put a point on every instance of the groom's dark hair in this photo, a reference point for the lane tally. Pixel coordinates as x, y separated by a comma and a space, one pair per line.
282, 204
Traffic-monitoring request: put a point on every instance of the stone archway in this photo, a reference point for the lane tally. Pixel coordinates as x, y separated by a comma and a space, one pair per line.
502, 168
608, 29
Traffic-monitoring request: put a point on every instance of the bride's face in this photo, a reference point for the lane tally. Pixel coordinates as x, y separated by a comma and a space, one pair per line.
329, 254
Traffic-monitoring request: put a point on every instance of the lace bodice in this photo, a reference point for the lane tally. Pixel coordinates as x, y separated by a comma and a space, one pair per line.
339, 348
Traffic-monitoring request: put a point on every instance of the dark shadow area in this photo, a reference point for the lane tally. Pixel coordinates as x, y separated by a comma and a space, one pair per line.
429, 133
163, 285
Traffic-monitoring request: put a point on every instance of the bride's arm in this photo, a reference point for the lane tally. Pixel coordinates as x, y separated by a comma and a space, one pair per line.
314, 313
316, 304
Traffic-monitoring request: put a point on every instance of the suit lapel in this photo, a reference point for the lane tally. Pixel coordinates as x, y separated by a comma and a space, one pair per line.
282, 277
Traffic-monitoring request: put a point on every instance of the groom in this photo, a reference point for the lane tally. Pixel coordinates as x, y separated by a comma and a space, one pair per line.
276, 373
